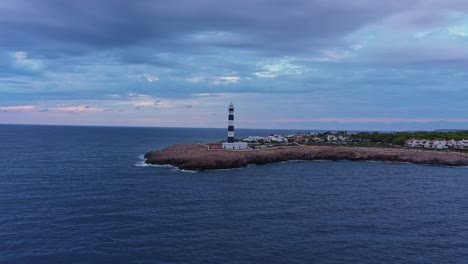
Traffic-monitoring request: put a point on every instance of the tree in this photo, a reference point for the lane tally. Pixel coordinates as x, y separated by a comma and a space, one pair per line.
399, 141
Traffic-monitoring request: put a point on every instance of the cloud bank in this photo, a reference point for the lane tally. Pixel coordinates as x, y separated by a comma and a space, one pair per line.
360, 58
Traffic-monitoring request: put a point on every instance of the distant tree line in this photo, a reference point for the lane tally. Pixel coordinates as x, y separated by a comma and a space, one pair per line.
399, 138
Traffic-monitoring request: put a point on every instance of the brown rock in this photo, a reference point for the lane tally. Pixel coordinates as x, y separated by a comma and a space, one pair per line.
209, 157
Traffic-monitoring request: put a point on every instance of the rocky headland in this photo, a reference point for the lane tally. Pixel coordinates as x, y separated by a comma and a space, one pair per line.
209, 157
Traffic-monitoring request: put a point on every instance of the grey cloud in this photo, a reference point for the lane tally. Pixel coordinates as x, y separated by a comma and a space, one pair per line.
204, 38
9, 68
268, 26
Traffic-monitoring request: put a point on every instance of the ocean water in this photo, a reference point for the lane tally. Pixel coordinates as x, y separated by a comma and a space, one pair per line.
83, 195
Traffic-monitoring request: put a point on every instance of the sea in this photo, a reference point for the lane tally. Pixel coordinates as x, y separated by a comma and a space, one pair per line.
75, 194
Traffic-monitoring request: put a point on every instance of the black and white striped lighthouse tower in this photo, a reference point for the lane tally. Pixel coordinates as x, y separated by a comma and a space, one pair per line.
230, 138
230, 144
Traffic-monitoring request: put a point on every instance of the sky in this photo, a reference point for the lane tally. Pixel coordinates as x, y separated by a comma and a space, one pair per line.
299, 64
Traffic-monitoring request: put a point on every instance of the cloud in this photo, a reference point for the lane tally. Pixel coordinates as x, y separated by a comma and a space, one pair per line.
22, 60
150, 78
144, 100
311, 105
331, 55
139, 100
152, 32
341, 55
86, 26
196, 79
273, 68
79, 108
18, 108
265, 74
360, 120
225, 80
143, 103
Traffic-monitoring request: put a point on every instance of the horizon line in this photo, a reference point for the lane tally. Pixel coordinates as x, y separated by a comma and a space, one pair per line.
299, 129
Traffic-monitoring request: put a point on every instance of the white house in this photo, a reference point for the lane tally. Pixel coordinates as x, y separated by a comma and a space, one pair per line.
235, 145
421, 143
428, 143
451, 143
464, 142
439, 144
277, 138
409, 142
342, 138
412, 143
331, 138
460, 144
252, 139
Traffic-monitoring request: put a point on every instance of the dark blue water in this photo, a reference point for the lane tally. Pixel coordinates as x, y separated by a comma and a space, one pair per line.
77, 195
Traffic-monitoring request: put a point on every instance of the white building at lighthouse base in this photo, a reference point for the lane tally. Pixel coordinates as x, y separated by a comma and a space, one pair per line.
235, 145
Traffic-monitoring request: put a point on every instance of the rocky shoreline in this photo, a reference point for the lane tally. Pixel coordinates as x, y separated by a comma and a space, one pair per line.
202, 157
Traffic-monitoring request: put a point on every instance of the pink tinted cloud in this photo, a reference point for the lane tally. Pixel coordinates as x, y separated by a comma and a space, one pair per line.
33, 108
387, 120
18, 108
79, 108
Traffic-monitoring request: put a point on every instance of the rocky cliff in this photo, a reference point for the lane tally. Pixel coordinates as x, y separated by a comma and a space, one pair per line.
202, 157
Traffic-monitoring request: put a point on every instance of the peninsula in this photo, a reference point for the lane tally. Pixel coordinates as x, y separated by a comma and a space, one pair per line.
390, 147
212, 156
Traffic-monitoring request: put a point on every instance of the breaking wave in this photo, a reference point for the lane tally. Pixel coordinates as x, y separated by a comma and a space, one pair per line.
141, 163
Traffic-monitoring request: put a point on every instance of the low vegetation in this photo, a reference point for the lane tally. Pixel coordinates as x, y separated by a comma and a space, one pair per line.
399, 138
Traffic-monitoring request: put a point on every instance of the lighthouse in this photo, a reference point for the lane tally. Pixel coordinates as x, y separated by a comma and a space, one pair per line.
230, 136
230, 144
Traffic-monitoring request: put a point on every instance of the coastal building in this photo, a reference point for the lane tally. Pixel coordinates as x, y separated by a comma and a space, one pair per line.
451, 143
412, 143
277, 138
439, 144
429, 143
342, 138
464, 143
317, 139
231, 144
255, 139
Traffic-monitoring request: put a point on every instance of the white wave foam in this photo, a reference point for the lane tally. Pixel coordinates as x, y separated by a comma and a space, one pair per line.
142, 163
291, 161
418, 164
185, 171
213, 170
